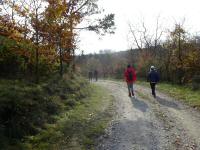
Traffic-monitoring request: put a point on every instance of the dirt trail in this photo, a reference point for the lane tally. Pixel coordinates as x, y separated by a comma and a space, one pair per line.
145, 123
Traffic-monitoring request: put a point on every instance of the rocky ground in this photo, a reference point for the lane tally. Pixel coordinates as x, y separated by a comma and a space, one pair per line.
146, 123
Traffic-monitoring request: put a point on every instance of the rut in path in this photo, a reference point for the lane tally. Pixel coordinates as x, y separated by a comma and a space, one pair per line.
145, 123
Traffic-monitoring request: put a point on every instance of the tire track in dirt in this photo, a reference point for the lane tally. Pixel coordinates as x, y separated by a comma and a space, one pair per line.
145, 123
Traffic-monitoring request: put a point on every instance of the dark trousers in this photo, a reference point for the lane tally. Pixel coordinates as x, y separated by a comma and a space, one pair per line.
153, 88
96, 77
90, 78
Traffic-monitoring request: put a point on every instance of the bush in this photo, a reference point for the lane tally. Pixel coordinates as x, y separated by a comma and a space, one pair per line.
27, 108
196, 82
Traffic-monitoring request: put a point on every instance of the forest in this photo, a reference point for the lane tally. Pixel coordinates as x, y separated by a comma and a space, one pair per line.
177, 58
38, 37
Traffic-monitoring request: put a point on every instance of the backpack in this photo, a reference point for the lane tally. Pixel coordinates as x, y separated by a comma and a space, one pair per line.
130, 75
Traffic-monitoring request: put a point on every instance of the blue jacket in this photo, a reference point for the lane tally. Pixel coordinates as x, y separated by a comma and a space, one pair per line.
153, 76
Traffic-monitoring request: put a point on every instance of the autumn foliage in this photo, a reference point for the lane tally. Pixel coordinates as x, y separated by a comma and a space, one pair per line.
38, 36
177, 59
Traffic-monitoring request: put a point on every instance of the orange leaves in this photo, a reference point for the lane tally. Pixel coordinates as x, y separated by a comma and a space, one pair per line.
10, 29
67, 57
22, 52
48, 53
46, 26
55, 10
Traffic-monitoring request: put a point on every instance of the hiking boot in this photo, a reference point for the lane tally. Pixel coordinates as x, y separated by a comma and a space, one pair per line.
133, 94
129, 94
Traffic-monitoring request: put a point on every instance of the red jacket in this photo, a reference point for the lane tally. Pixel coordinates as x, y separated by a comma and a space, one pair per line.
127, 73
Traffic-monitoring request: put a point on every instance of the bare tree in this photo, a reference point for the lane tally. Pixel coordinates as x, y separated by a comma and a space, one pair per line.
143, 38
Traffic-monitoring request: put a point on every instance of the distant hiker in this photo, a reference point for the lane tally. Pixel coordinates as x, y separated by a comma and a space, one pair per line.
130, 77
90, 75
153, 78
96, 75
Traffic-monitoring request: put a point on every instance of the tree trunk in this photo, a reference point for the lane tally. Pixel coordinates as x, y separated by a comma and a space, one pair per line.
180, 70
61, 63
37, 52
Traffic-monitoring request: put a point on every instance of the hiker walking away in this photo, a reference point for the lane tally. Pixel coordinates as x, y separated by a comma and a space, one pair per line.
153, 78
96, 75
130, 77
90, 75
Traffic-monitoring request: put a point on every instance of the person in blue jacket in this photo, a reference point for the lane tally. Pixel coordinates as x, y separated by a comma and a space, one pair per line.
153, 78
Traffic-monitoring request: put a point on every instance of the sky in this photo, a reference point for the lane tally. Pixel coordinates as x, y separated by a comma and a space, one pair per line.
135, 12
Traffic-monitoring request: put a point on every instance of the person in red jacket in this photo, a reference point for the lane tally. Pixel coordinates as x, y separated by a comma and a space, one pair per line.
130, 77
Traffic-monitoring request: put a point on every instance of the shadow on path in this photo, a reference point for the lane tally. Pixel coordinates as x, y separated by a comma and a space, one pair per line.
167, 103
138, 104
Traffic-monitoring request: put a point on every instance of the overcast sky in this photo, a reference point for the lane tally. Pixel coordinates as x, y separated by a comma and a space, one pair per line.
136, 11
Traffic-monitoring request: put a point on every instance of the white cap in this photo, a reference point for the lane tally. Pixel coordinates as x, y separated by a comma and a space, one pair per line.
152, 67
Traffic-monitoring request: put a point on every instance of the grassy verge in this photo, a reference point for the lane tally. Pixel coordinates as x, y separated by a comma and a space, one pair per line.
78, 128
27, 108
56, 113
183, 93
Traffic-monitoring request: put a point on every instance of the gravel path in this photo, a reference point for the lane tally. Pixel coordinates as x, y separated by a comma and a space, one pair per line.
145, 123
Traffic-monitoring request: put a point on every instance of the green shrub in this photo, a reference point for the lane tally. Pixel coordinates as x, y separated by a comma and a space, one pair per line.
26, 108
196, 82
